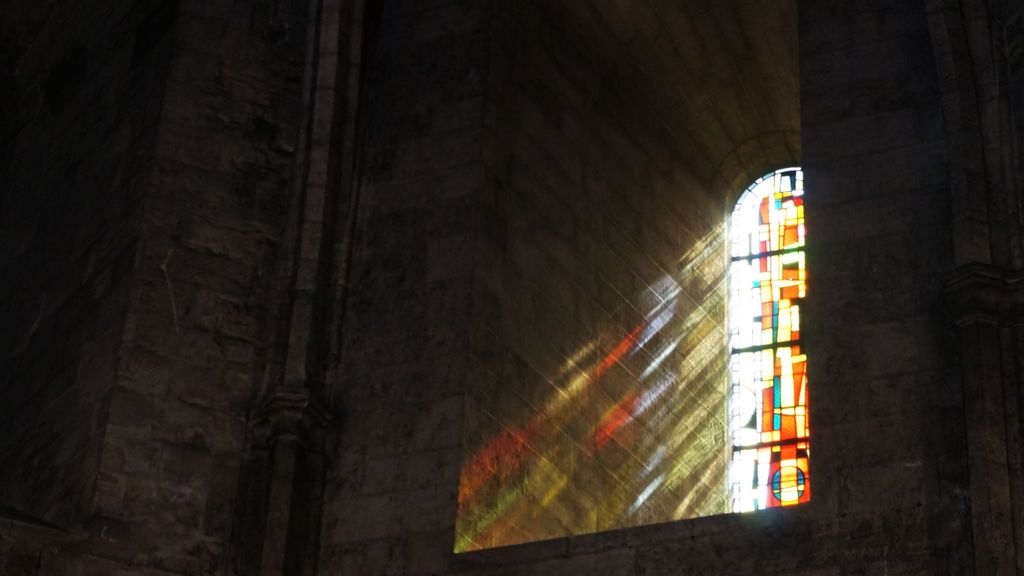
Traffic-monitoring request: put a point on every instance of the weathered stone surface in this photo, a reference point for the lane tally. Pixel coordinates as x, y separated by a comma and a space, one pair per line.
527, 171
82, 93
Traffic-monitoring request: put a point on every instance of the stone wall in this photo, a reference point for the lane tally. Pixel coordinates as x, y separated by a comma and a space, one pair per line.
389, 505
198, 324
599, 346
150, 155
889, 407
1013, 40
889, 460
530, 172
81, 87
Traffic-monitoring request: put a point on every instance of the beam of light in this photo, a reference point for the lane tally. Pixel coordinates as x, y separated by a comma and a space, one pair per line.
618, 352
614, 419
656, 458
695, 363
704, 261
652, 395
554, 490
566, 393
579, 357
654, 326
645, 494
700, 251
660, 358
689, 431
582, 379
507, 445
511, 442
678, 420
647, 393
665, 290
467, 537
714, 470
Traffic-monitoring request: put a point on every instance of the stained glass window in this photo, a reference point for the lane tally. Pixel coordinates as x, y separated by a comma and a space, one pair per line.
767, 365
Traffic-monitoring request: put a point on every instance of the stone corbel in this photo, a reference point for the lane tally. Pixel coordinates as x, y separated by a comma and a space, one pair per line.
294, 413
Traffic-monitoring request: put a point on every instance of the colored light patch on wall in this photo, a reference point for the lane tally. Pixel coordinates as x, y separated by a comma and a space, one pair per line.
693, 402
627, 426
769, 426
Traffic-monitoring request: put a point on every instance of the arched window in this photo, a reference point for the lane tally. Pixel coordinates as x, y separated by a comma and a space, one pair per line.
767, 365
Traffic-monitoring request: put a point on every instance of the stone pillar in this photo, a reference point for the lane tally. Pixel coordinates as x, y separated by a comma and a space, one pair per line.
290, 427
984, 291
987, 305
278, 526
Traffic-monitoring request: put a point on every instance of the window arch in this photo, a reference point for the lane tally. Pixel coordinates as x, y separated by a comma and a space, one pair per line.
769, 427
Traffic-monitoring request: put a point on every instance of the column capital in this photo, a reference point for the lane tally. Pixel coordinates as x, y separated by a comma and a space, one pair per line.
984, 293
291, 411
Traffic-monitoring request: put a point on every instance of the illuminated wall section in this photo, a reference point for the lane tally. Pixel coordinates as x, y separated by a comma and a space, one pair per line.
670, 407
767, 367
626, 427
